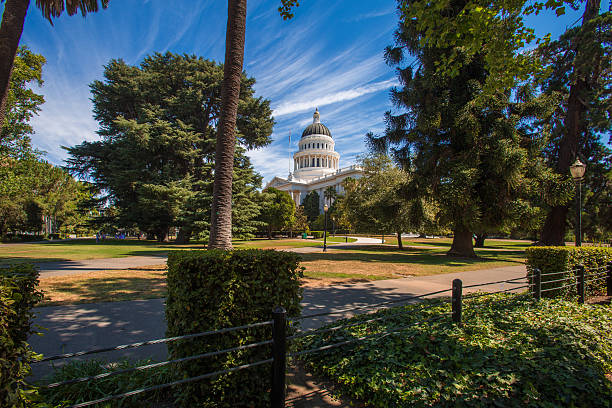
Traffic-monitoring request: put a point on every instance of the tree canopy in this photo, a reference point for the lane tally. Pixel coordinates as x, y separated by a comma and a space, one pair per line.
159, 124
278, 212
466, 148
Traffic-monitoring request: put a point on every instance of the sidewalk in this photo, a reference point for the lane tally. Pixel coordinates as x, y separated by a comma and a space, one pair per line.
89, 326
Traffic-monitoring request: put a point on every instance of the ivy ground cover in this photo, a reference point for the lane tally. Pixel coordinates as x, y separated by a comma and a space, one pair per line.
511, 351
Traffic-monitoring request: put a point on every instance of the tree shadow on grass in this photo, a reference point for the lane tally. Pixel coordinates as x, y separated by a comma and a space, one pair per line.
108, 289
423, 256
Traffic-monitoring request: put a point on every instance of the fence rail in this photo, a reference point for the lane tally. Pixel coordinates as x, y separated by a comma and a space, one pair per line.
280, 323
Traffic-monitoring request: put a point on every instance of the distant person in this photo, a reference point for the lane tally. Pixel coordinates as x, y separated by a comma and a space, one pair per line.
97, 238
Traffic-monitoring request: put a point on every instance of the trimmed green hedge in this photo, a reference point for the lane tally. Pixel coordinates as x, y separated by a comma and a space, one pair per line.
209, 290
558, 259
18, 295
316, 234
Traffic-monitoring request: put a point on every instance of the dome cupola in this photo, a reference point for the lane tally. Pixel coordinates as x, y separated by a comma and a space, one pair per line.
316, 128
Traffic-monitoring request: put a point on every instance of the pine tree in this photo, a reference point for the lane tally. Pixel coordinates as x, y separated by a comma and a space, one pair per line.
158, 123
466, 148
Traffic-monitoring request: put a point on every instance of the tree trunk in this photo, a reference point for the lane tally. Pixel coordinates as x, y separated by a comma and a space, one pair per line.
400, 245
462, 243
10, 33
162, 235
269, 232
221, 213
480, 240
553, 232
183, 236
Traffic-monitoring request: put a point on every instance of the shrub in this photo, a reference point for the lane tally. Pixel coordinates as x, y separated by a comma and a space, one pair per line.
118, 384
511, 351
565, 259
316, 234
18, 295
209, 290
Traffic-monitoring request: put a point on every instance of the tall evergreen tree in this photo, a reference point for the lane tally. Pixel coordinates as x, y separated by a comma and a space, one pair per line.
158, 123
311, 206
579, 71
467, 148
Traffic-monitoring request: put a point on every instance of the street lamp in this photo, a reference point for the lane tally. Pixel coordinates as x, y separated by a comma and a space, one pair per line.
325, 208
577, 171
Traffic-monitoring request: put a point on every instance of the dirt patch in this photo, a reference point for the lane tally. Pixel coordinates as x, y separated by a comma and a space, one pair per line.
599, 300
306, 391
317, 283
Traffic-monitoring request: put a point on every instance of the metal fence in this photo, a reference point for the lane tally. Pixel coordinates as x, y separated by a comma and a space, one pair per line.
578, 278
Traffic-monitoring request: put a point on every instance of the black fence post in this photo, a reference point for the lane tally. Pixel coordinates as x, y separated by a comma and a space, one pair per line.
537, 280
581, 286
456, 301
609, 280
279, 354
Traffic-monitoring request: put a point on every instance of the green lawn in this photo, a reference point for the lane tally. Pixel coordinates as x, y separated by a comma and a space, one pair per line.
387, 262
446, 242
88, 248
82, 249
511, 351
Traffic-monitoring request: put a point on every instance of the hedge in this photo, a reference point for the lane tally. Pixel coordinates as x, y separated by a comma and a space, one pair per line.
565, 259
18, 295
209, 290
316, 234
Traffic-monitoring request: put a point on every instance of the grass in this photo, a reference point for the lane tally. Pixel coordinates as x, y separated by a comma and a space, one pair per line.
83, 249
105, 286
385, 262
511, 351
364, 263
77, 250
493, 244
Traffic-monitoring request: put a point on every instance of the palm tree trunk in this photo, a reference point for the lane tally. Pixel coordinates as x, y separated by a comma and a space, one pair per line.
553, 231
11, 28
221, 217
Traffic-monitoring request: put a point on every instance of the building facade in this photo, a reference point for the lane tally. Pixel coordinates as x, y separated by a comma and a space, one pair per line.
316, 165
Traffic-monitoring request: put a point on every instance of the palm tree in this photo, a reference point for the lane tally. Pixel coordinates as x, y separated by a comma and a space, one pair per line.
330, 193
221, 214
11, 28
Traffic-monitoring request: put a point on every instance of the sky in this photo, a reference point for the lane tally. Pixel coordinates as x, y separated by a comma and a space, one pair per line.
329, 56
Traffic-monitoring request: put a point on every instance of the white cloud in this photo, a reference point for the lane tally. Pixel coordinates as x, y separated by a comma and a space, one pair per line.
345, 95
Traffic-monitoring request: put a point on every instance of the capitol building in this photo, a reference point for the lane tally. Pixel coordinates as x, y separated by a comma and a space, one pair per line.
316, 165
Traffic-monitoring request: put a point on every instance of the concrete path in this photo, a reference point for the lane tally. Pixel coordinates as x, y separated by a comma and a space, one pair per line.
90, 326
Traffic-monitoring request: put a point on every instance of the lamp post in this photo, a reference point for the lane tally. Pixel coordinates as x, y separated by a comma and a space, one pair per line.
577, 171
325, 208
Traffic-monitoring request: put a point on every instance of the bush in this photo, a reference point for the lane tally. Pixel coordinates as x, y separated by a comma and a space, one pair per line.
316, 234
511, 351
118, 384
209, 290
560, 259
18, 295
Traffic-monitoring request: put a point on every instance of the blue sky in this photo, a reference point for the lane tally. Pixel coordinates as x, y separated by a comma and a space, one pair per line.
329, 56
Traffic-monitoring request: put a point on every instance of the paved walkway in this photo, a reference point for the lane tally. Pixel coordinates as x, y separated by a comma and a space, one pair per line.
89, 326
